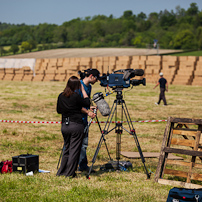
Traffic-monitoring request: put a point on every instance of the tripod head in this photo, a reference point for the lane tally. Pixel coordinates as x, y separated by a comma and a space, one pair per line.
119, 95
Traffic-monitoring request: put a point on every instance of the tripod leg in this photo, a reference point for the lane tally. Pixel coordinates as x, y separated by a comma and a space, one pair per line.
103, 138
104, 132
60, 156
133, 133
141, 154
95, 155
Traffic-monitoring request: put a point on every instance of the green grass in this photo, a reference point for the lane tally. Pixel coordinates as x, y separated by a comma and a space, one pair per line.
191, 53
36, 101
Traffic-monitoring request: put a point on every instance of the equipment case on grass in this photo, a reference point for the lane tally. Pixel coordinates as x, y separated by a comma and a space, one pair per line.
25, 163
182, 194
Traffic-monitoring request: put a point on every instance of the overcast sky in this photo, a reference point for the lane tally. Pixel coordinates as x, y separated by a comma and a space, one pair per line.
33, 12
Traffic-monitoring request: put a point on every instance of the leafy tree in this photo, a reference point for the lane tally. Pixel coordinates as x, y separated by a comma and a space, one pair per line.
113, 38
127, 14
137, 41
166, 39
144, 25
32, 43
141, 16
129, 25
44, 33
84, 43
185, 40
180, 12
127, 38
87, 18
115, 26
99, 28
14, 48
199, 37
153, 17
26, 46
193, 10
40, 47
103, 31
2, 50
111, 16
198, 20
99, 17
167, 19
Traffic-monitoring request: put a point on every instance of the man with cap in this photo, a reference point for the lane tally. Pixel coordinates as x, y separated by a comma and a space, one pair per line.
163, 87
91, 77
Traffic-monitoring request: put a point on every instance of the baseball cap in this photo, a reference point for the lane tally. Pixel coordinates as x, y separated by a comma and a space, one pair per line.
161, 74
94, 72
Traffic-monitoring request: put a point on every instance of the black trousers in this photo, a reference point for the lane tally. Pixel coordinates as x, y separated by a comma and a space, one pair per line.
73, 136
162, 96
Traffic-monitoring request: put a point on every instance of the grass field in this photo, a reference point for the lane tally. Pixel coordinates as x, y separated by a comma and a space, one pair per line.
192, 53
36, 101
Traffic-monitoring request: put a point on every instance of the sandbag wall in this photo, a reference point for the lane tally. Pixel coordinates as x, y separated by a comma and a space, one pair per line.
182, 70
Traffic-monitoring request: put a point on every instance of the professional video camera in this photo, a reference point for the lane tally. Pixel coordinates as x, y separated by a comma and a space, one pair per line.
120, 78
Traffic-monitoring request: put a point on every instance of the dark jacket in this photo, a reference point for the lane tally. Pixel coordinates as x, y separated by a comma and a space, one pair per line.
162, 82
71, 107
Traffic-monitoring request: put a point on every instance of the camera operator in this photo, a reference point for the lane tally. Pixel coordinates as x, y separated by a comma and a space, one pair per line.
69, 104
91, 77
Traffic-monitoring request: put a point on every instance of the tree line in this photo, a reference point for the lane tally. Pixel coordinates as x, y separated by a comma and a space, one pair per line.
179, 29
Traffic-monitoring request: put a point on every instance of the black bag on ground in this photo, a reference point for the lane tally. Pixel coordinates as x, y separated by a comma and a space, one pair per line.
182, 194
112, 165
25, 163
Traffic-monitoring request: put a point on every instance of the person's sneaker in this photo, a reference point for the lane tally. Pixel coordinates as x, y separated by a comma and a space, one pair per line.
156, 103
164, 105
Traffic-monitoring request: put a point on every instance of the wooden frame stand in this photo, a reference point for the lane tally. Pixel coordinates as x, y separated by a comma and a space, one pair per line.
182, 136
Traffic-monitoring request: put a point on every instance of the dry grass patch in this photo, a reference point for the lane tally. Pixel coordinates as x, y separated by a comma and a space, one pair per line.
36, 101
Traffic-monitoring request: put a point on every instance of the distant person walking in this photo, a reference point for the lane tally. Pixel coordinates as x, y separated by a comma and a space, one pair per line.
163, 87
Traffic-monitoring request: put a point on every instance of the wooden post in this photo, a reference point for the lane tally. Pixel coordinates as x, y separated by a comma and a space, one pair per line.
162, 153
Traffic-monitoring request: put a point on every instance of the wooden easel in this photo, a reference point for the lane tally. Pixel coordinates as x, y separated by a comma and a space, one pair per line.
180, 139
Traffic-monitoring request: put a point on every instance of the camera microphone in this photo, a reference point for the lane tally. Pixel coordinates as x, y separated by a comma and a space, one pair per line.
139, 72
130, 73
102, 105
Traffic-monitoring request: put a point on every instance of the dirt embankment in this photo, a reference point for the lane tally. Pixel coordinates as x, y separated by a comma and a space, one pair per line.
91, 52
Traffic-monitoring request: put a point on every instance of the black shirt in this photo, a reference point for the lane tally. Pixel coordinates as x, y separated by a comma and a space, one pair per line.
71, 107
162, 82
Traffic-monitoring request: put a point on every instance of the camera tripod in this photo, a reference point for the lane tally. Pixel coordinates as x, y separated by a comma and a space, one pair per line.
118, 130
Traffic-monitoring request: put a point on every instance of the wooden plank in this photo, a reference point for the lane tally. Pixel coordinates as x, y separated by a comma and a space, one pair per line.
185, 131
183, 163
162, 153
179, 184
189, 143
182, 151
168, 145
175, 172
135, 155
180, 163
186, 120
193, 159
196, 176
